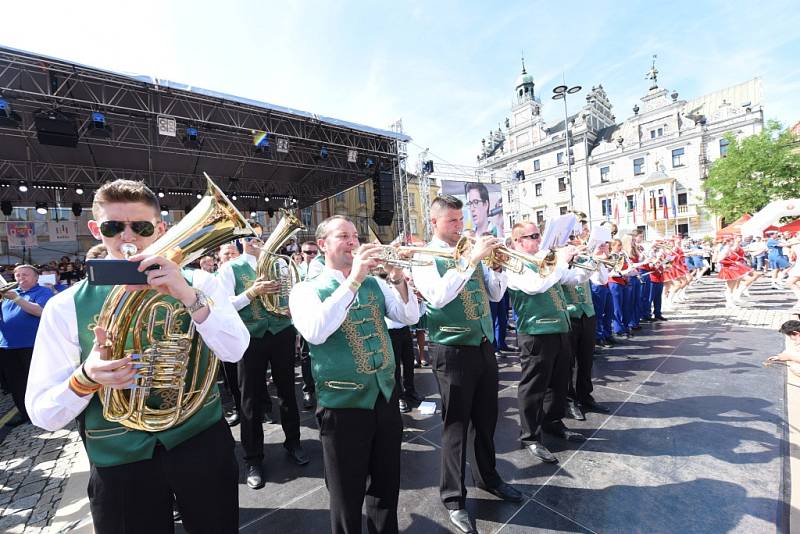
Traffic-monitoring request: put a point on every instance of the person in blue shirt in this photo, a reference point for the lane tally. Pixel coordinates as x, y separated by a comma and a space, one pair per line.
20, 311
778, 262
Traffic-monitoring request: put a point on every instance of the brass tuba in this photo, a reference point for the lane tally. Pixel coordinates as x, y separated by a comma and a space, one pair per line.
175, 367
277, 267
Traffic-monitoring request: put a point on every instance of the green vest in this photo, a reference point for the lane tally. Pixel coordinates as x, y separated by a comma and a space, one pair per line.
356, 363
467, 318
255, 316
579, 300
542, 313
109, 443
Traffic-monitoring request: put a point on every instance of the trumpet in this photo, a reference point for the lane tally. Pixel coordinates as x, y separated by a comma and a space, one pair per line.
402, 257
509, 259
6, 288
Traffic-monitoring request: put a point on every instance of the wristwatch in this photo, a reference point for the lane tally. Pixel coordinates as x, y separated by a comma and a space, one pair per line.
202, 300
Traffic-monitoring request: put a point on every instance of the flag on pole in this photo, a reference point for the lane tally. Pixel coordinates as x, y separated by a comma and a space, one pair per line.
653, 205
616, 208
634, 207
674, 207
663, 200
644, 208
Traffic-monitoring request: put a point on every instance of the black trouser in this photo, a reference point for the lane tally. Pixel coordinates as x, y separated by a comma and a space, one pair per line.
467, 380
15, 364
278, 351
201, 473
403, 347
582, 338
361, 452
305, 367
542, 391
230, 376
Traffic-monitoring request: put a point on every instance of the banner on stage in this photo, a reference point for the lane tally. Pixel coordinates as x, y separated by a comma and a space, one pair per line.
62, 231
483, 205
21, 234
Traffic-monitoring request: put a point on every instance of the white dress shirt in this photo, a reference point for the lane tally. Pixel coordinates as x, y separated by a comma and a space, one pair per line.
227, 280
600, 276
575, 276
533, 283
316, 320
440, 290
51, 404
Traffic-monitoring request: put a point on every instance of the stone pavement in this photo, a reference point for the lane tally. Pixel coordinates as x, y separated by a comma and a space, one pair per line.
697, 442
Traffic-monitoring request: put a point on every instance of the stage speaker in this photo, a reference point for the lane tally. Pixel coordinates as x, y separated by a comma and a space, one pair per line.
56, 129
383, 190
77, 209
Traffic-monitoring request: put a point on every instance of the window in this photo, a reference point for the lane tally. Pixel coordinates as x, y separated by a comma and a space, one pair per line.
536, 165
526, 216
560, 158
540, 217
562, 184
562, 210
683, 229
723, 147
638, 166
657, 132
604, 174
412, 201
677, 157
682, 199
510, 199
538, 189
305, 216
413, 225
606, 205
661, 198
629, 203
362, 194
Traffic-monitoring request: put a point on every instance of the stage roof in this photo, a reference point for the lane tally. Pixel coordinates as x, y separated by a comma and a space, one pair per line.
42, 93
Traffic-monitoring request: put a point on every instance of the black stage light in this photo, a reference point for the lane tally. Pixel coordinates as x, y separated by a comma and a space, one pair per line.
6, 208
77, 209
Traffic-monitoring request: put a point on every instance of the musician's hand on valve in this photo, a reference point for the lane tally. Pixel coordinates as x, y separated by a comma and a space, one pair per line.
482, 248
264, 287
566, 254
364, 261
117, 374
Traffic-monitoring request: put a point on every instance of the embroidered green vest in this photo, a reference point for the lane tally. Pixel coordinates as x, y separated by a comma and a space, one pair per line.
466, 319
255, 316
542, 313
108, 443
356, 363
579, 300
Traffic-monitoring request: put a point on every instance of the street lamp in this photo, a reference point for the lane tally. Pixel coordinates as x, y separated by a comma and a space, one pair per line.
560, 93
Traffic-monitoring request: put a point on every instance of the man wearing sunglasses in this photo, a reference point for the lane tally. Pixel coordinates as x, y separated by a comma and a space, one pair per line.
310, 252
71, 363
272, 340
543, 327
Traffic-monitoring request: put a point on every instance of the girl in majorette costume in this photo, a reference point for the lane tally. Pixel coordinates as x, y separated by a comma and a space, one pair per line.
752, 276
793, 280
734, 270
676, 276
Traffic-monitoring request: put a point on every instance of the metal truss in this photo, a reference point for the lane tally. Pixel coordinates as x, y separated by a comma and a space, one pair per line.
401, 200
31, 83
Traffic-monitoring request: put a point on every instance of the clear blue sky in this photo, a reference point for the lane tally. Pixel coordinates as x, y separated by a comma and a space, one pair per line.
446, 68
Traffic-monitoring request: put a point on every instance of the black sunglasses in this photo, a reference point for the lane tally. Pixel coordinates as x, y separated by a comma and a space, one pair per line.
310, 252
113, 228
531, 236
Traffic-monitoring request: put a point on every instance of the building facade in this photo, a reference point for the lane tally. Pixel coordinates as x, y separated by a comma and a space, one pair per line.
644, 172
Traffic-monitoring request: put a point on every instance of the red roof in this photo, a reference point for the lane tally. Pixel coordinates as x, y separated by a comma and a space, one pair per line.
734, 228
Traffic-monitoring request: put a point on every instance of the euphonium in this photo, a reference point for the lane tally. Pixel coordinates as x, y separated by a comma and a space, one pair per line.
279, 268
174, 366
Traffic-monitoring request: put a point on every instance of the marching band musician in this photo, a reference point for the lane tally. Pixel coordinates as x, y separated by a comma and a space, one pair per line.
340, 312
272, 341
543, 325
601, 300
652, 304
462, 358
134, 474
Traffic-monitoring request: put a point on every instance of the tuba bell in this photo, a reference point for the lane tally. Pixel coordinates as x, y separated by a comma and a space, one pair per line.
176, 368
277, 267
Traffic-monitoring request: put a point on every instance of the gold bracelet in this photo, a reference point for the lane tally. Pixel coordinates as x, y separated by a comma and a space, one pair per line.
354, 285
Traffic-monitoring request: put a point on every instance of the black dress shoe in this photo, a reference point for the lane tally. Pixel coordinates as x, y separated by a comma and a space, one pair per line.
297, 454
611, 341
404, 407
661, 318
565, 433
462, 521
574, 411
232, 418
16, 421
637, 327
541, 452
413, 396
507, 492
591, 405
255, 477
308, 400
647, 320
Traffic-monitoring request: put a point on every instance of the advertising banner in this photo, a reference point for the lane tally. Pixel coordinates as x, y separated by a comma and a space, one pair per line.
483, 205
21, 235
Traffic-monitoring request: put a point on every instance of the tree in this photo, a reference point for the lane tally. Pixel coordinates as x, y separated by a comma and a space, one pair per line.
756, 171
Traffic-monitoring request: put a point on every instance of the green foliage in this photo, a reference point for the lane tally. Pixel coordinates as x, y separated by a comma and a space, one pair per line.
757, 170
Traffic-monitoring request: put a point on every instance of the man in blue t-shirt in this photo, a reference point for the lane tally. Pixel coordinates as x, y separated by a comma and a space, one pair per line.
20, 311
